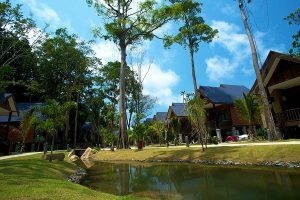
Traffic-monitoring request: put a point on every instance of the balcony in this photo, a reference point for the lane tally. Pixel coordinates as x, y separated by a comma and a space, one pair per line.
288, 117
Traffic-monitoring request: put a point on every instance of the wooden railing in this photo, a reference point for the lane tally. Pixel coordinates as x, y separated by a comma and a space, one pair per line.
287, 116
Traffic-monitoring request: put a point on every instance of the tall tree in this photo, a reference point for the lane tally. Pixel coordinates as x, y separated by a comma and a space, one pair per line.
128, 23
249, 109
294, 18
192, 32
65, 62
18, 62
262, 89
16, 28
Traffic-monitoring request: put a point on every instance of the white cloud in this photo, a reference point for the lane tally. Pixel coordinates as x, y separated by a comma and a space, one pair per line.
230, 10
219, 67
230, 39
48, 14
236, 44
158, 83
106, 51
263, 50
165, 29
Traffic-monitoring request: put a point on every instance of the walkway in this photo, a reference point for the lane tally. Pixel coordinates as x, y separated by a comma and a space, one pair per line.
18, 155
232, 144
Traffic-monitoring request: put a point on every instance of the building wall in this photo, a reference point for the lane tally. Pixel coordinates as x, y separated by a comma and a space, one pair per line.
236, 118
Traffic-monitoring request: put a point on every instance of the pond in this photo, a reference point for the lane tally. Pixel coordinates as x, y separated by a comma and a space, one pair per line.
192, 181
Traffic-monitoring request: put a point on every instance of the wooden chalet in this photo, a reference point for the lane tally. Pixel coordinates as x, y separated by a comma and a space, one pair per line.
220, 110
177, 110
11, 114
281, 78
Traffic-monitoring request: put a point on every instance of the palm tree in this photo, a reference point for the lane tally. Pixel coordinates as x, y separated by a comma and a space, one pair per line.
249, 109
159, 128
26, 125
196, 113
55, 119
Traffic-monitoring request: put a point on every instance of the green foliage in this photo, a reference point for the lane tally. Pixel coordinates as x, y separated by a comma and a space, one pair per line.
194, 30
294, 18
109, 137
212, 140
26, 125
128, 24
17, 58
55, 117
195, 110
175, 125
262, 134
65, 61
249, 107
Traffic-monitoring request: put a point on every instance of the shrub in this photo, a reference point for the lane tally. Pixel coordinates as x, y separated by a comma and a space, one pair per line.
261, 134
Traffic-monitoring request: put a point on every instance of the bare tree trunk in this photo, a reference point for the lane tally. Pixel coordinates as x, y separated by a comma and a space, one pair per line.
52, 145
267, 108
76, 119
67, 128
193, 70
123, 125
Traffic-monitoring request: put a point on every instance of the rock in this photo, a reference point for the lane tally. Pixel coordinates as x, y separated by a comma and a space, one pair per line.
74, 158
77, 176
88, 153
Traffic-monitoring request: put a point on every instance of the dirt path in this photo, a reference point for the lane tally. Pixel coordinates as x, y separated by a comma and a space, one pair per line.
232, 144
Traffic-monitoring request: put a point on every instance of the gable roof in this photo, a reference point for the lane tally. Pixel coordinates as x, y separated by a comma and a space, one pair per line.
25, 107
3, 97
225, 94
160, 116
178, 109
271, 64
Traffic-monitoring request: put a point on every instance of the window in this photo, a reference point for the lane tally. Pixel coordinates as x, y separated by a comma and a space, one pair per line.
223, 116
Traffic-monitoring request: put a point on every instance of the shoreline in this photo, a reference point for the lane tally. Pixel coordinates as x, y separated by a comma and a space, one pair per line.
272, 164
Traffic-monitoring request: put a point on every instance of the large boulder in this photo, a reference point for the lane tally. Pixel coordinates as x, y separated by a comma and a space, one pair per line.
88, 153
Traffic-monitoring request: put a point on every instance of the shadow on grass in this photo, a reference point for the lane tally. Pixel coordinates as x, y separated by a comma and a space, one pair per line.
35, 168
189, 154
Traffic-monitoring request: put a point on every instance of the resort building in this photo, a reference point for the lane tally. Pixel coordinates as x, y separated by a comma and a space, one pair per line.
11, 114
221, 114
160, 116
177, 111
281, 78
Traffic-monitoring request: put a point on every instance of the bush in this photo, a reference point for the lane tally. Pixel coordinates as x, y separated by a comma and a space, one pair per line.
212, 140
262, 134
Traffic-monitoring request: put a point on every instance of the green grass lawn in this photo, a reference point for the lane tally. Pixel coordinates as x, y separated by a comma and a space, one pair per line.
30, 177
253, 154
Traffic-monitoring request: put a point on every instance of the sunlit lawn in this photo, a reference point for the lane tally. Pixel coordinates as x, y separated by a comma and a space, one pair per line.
252, 154
31, 177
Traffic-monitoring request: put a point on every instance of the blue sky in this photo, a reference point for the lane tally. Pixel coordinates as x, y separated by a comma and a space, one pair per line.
226, 60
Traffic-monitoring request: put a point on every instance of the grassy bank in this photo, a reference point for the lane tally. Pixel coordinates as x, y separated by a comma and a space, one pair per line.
253, 154
31, 177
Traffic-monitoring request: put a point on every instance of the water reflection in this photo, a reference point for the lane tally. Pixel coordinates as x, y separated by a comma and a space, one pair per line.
190, 181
